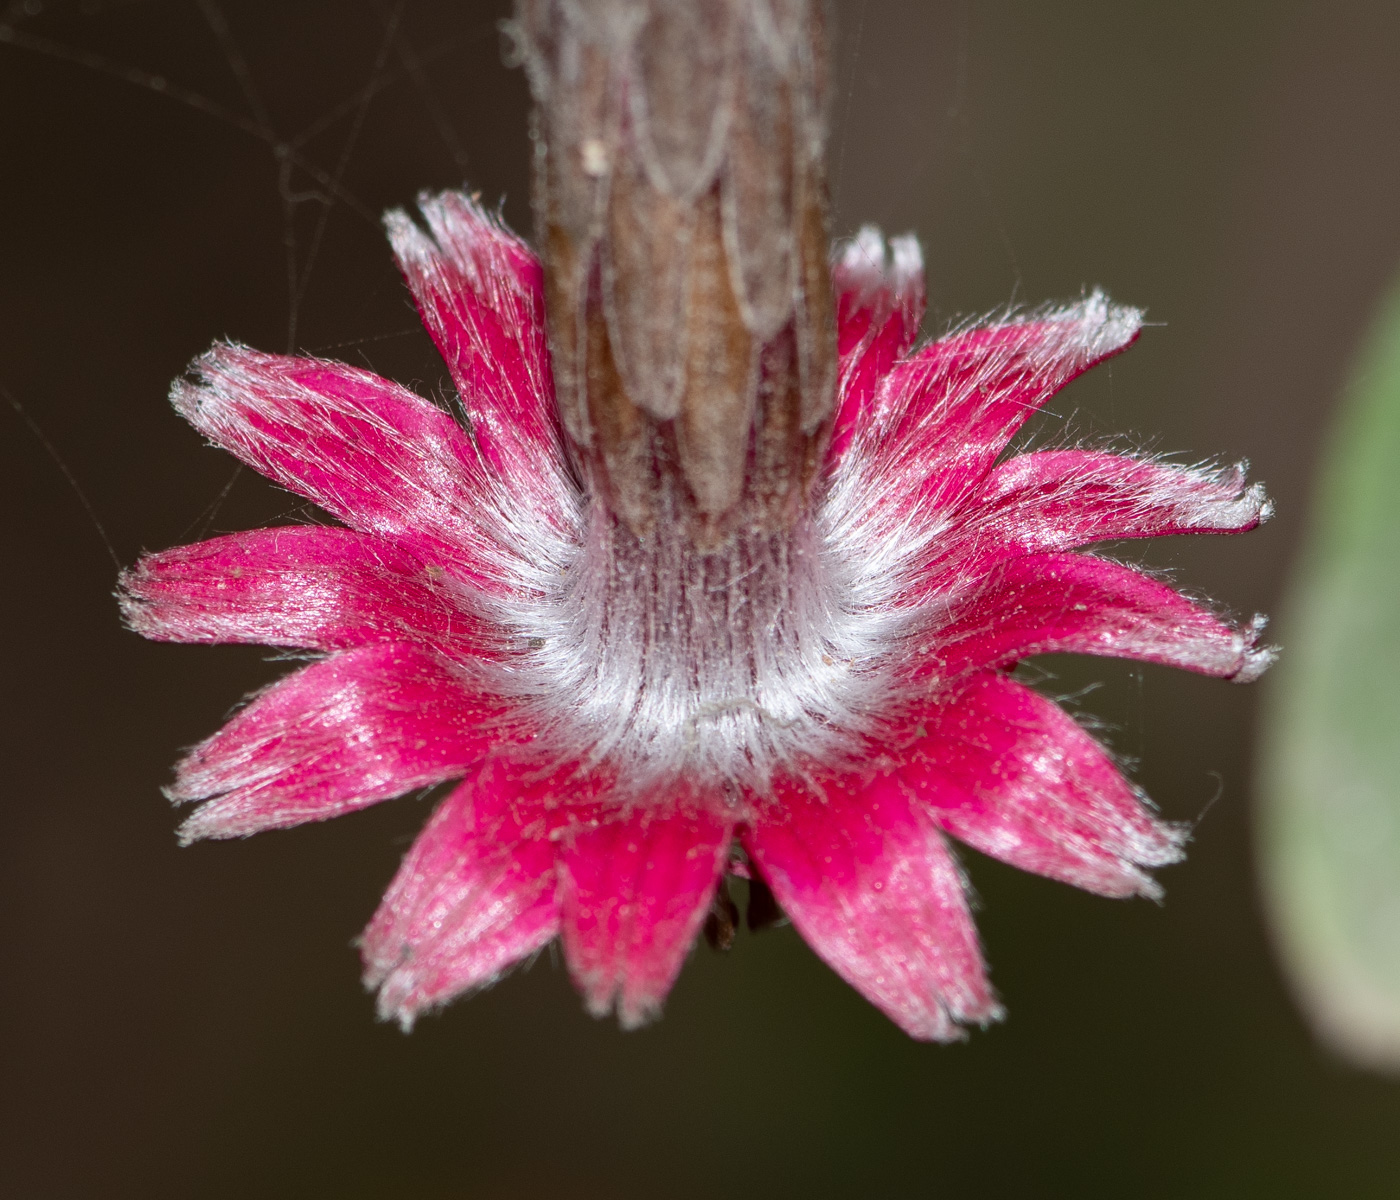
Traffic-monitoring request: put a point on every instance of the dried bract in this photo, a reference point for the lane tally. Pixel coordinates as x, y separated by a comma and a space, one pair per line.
681, 207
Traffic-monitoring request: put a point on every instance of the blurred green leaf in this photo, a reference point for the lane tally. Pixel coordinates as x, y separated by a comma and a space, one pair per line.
1329, 816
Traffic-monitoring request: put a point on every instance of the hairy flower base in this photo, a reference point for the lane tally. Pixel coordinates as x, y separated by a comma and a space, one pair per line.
622, 712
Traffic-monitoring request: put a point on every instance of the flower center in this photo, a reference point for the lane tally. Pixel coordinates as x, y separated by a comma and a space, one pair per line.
713, 670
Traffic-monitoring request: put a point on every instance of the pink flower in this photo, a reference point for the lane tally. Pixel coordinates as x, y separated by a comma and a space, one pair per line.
818, 709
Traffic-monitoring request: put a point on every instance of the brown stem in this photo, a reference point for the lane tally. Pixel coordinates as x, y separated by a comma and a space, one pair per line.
681, 204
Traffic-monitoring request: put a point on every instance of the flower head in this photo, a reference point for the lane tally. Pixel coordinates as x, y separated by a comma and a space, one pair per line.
761, 624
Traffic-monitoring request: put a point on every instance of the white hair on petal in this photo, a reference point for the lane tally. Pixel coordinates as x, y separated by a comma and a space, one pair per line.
892, 541
906, 261
866, 263
864, 254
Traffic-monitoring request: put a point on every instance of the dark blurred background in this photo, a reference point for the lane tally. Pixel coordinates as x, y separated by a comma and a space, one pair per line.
190, 1023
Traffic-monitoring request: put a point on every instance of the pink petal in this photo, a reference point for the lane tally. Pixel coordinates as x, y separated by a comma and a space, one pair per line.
378, 457
1061, 499
879, 304
943, 416
305, 586
869, 882
336, 736
1009, 772
475, 895
480, 291
634, 890
1078, 604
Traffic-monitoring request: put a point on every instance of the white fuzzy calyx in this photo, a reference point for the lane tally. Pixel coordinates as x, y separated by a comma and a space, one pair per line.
705, 671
